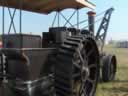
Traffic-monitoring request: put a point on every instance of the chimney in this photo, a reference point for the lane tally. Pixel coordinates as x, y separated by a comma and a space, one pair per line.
91, 21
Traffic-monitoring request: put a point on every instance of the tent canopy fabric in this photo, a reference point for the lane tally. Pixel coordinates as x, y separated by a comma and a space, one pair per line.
46, 6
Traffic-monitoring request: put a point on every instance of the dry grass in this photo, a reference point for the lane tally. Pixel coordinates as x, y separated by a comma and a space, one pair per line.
119, 87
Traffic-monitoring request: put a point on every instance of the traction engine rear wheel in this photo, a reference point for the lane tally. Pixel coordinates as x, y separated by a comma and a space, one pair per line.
109, 68
77, 67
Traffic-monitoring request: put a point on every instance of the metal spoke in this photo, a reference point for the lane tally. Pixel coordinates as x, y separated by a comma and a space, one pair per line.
86, 60
77, 65
81, 58
83, 90
77, 61
90, 52
83, 52
90, 80
85, 57
91, 66
75, 75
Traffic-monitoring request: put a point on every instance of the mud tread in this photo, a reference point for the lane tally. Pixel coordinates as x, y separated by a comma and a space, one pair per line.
64, 63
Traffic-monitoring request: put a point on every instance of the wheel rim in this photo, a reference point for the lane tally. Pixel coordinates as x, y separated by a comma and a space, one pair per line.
76, 67
88, 71
112, 70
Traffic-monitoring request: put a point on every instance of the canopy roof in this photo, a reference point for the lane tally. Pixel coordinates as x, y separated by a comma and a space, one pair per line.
46, 6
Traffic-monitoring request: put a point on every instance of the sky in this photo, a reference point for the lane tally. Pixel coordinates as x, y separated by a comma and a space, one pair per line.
118, 25
37, 23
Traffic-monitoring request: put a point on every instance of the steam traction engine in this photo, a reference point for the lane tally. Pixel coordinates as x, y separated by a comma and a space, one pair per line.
64, 61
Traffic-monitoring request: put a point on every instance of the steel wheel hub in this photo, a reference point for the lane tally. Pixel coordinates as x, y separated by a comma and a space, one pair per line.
85, 73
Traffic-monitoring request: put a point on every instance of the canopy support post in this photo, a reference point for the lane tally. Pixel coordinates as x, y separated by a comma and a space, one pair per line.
77, 18
20, 22
54, 19
20, 17
58, 18
3, 24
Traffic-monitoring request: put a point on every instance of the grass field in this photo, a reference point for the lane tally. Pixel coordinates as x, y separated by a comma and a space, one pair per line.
119, 87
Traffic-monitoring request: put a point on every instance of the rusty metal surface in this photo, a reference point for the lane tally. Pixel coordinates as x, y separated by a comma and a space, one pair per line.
36, 60
46, 6
22, 41
36, 63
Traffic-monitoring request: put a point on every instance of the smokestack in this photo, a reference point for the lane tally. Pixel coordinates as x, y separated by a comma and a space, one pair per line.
91, 21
